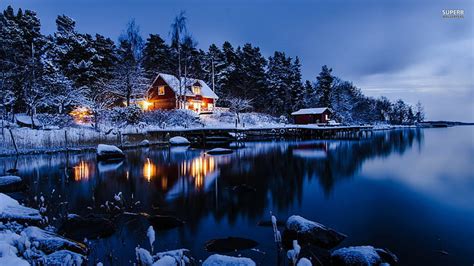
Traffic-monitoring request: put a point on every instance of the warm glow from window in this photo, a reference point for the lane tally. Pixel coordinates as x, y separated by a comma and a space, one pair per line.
196, 105
161, 90
145, 105
326, 117
210, 106
81, 115
197, 90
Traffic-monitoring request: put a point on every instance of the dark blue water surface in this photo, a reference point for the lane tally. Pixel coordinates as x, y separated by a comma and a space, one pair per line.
411, 191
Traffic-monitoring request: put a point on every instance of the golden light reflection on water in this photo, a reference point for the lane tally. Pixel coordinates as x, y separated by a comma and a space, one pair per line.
198, 168
81, 171
149, 170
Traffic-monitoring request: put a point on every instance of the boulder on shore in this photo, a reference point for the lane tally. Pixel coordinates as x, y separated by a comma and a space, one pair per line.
219, 260
91, 227
63, 257
309, 232
11, 210
179, 141
109, 152
49, 242
362, 256
11, 183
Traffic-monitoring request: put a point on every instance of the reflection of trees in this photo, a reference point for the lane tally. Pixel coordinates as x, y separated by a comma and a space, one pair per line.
193, 185
278, 176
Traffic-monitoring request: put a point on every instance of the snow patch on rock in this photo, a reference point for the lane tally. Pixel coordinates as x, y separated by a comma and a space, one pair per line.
178, 140
222, 260
10, 209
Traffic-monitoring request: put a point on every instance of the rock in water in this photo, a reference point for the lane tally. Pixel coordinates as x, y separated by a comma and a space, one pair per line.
78, 228
11, 210
109, 152
11, 183
50, 242
230, 244
222, 260
309, 232
163, 222
217, 151
179, 141
362, 256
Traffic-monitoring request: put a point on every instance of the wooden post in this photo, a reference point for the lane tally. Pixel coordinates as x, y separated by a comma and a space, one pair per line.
65, 139
13, 140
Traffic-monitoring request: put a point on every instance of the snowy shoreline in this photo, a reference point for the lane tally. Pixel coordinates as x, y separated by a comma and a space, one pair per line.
31, 141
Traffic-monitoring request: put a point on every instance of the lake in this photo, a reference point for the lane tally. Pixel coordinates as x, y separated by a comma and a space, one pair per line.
411, 191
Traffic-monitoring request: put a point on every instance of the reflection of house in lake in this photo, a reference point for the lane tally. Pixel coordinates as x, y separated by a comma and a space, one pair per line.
311, 150
82, 171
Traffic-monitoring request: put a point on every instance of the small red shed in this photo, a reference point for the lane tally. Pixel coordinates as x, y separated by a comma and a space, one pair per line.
319, 115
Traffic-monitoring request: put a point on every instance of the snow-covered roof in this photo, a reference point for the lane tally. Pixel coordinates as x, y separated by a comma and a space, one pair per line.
311, 111
173, 82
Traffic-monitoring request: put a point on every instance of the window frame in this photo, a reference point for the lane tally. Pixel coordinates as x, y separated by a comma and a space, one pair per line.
160, 92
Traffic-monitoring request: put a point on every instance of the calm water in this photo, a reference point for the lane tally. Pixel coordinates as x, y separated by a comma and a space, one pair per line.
411, 191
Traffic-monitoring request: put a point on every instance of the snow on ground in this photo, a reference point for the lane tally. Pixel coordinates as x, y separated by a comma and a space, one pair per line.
179, 141
8, 251
223, 260
11, 209
304, 262
9, 179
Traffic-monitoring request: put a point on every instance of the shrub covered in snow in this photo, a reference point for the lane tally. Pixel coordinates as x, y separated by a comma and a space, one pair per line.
172, 118
132, 114
59, 120
222, 260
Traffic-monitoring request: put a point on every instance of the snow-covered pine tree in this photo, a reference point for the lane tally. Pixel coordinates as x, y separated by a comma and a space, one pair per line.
279, 77
324, 86
228, 76
157, 57
213, 64
297, 89
419, 112
252, 83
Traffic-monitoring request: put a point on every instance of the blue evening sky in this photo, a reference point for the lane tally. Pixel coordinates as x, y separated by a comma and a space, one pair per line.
400, 49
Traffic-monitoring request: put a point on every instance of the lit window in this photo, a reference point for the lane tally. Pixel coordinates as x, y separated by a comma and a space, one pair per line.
161, 90
197, 90
326, 117
210, 106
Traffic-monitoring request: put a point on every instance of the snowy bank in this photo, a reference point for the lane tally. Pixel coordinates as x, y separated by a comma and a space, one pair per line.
10, 209
10, 183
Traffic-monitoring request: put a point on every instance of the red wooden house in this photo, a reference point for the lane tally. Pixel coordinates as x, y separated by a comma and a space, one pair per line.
165, 91
312, 115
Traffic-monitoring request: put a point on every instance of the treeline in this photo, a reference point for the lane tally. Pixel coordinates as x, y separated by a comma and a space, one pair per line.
56, 72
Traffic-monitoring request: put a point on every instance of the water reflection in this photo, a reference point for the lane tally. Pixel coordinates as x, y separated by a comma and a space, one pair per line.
82, 171
288, 177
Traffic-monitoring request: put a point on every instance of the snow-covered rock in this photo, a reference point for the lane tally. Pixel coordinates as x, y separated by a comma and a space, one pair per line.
145, 142
49, 242
362, 256
216, 151
106, 152
8, 250
64, 258
173, 257
179, 141
10, 209
304, 262
10, 183
306, 231
222, 260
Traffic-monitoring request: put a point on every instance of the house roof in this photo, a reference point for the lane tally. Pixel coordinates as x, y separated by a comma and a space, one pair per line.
173, 82
311, 111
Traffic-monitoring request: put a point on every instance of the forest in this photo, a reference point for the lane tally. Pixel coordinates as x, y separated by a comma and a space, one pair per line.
55, 73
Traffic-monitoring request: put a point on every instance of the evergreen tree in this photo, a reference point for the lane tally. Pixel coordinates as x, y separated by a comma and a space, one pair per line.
157, 57
213, 64
324, 86
419, 112
297, 89
279, 82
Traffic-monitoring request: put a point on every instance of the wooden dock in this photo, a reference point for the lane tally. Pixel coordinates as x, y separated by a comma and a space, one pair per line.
211, 135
